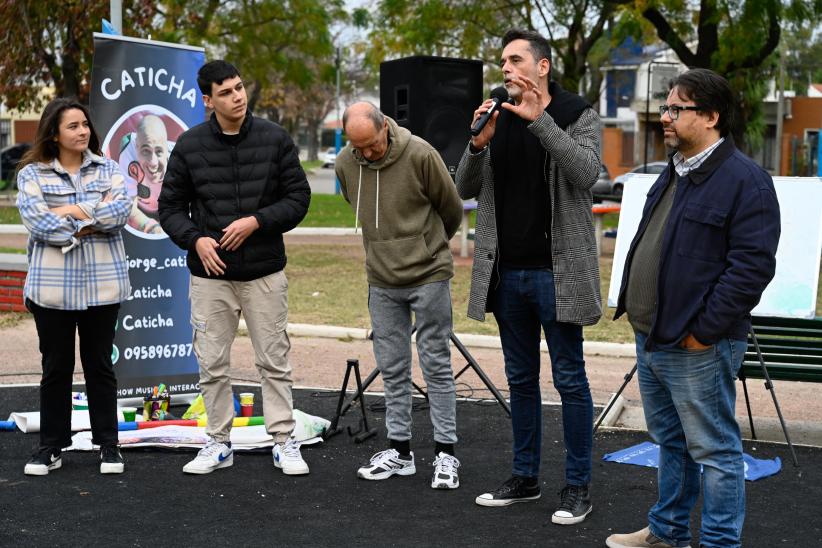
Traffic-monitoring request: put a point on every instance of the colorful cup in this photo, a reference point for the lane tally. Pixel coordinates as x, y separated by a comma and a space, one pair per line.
247, 398
129, 414
246, 410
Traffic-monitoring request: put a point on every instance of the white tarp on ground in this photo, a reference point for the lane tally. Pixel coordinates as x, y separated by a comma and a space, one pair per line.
243, 438
29, 422
308, 429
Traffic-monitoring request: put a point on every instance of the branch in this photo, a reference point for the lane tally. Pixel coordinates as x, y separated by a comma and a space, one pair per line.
707, 30
774, 32
668, 35
599, 28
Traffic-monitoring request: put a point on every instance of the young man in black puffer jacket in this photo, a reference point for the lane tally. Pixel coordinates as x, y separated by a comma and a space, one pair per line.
233, 186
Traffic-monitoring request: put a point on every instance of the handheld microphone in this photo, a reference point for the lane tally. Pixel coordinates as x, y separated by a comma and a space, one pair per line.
498, 96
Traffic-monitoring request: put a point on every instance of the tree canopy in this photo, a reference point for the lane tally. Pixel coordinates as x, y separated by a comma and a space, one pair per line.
735, 38
54, 47
576, 29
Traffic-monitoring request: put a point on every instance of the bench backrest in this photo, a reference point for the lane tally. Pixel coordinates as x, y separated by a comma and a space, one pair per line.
792, 349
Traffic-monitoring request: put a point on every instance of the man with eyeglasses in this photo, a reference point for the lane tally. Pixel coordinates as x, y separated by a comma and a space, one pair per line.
702, 256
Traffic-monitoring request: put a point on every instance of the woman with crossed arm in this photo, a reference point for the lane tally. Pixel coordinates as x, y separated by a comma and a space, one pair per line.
73, 202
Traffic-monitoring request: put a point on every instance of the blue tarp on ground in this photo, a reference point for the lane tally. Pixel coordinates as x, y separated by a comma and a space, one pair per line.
647, 454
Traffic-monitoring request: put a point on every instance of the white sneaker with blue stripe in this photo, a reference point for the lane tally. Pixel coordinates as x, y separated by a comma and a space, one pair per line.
287, 457
211, 457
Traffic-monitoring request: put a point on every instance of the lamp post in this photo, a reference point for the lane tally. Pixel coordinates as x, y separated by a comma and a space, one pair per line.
780, 113
338, 129
116, 11
648, 107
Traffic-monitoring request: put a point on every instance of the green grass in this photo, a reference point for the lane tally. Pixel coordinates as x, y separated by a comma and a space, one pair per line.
9, 215
12, 319
327, 285
311, 165
329, 210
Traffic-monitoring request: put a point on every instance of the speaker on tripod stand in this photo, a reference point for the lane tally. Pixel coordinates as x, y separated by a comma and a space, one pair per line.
434, 98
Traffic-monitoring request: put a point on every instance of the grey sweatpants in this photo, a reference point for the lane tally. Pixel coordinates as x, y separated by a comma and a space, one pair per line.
390, 310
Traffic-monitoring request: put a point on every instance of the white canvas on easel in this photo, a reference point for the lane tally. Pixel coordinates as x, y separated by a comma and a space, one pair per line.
793, 291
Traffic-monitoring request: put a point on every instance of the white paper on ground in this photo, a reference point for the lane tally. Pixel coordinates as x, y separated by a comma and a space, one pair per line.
308, 429
29, 422
242, 438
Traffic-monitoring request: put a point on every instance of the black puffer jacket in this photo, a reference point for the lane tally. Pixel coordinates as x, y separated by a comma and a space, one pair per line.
219, 183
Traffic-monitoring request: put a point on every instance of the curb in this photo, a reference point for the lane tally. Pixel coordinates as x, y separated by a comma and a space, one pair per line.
590, 348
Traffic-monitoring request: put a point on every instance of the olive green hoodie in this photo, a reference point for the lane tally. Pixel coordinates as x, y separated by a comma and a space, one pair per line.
408, 207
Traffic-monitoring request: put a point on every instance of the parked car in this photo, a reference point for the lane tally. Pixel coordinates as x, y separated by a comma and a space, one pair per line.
329, 157
654, 168
602, 188
9, 157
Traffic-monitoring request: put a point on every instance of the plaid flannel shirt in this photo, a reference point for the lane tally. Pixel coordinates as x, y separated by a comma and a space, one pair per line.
68, 272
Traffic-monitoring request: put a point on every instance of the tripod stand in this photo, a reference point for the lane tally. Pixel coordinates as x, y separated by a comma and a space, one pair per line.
768, 386
470, 363
363, 432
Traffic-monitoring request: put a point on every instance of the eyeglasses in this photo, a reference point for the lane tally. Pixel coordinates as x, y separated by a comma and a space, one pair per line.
674, 110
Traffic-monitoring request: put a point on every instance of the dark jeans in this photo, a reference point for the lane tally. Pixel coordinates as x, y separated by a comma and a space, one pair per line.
56, 331
524, 302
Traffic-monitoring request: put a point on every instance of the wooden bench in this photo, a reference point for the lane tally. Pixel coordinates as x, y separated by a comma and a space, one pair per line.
790, 350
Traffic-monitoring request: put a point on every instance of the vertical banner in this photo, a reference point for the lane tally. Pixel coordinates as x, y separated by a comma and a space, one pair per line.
143, 96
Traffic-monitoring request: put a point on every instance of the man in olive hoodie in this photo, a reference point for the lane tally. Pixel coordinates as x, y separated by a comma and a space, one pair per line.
408, 207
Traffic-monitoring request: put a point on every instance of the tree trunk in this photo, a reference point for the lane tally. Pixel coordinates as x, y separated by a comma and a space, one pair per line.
254, 96
313, 127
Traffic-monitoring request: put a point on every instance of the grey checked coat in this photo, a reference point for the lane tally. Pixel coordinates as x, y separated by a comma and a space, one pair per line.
572, 169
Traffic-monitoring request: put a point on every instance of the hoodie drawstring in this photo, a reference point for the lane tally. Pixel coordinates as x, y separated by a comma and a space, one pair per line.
377, 212
357, 210
357, 213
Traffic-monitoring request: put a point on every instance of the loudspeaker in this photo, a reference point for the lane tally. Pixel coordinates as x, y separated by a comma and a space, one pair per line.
434, 98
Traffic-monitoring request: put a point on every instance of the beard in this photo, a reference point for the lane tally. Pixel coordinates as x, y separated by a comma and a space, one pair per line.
675, 142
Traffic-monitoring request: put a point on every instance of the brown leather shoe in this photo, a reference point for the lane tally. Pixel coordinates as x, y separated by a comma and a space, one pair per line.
638, 539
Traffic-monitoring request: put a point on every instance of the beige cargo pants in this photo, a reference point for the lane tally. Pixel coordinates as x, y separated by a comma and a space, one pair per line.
215, 313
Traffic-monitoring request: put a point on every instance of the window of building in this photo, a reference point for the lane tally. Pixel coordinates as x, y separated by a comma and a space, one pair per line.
5, 133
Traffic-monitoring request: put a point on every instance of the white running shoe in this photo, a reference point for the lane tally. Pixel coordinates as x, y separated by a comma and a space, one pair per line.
211, 457
385, 464
287, 456
445, 472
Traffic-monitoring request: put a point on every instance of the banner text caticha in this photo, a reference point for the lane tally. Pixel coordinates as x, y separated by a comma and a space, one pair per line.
147, 77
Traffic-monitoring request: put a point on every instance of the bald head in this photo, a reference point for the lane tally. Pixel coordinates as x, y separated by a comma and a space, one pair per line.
152, 154
151, 126
366, 129
362, 111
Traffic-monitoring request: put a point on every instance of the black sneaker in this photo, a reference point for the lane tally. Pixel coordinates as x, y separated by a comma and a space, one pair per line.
111, 460
515, 489
44, 460
574, 505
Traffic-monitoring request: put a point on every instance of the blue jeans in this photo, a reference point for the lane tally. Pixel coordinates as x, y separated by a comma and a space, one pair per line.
523, 303
689, 400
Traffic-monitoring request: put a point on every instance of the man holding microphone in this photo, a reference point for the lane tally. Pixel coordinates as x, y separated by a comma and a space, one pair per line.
535, 261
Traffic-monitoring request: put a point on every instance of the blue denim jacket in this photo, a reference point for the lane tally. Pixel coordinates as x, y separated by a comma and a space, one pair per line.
718, 249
